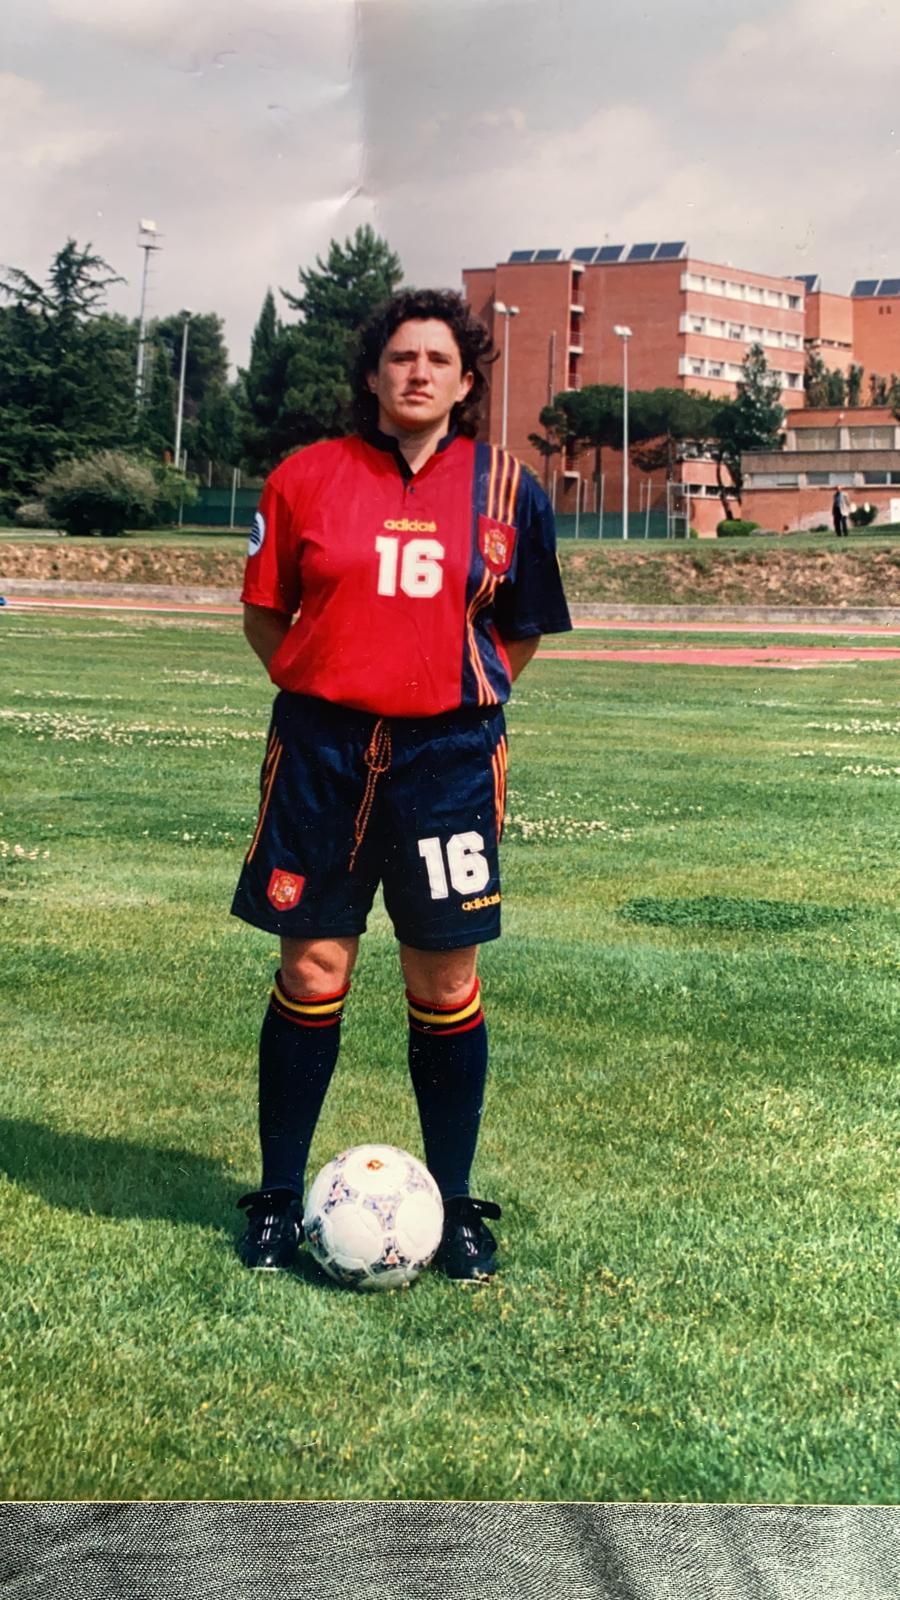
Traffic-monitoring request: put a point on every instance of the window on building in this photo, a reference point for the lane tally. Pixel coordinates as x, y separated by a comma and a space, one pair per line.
792, 380
715, 327
735, 330
871, 438
875, 477
697, 369
698, 325
754, 293
815, 478
818, 438
715, 369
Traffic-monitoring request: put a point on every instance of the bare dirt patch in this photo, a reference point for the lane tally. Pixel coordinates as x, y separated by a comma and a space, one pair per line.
868, 576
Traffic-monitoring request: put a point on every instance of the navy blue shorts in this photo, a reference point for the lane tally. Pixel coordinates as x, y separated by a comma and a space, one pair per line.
349, 800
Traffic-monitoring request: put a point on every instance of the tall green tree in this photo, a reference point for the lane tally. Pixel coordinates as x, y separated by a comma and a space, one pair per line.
155, 428
66, 368
815, 380
854, 384
261, 390
336, 298
837, 388
581, 419
206, 366
752, 421
217, 440
663, 420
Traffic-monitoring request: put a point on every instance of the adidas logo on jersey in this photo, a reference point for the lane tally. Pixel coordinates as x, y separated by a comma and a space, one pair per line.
406, 526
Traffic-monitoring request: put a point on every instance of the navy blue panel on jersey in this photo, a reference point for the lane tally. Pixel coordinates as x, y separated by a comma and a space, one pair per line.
350, 800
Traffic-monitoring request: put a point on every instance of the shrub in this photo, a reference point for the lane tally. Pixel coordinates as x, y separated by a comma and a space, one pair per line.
174, 492
109, 491
32, 514
102, 493
735, 528
862, 516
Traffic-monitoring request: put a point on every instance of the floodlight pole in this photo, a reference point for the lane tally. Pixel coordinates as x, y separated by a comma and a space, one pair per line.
624, 334
180, 413
147, 241
508, 312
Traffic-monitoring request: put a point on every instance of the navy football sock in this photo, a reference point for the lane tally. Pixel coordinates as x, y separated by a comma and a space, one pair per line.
448, 1067
298, 1051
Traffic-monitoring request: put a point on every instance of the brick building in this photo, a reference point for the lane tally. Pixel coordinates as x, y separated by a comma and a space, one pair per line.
857, 448
692, 324
862, 327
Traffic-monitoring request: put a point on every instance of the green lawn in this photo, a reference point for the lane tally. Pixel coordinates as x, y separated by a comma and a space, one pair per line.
720, 638
691, 1122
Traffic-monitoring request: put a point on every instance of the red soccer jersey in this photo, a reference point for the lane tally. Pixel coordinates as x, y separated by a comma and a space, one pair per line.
405, 585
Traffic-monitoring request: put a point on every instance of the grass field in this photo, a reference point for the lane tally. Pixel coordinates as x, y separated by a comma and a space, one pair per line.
691, 1122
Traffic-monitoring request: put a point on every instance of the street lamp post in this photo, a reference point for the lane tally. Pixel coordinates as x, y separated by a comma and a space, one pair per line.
180, 412
508, 312
624, 334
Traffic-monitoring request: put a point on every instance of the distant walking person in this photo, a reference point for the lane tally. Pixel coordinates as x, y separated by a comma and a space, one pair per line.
840, 511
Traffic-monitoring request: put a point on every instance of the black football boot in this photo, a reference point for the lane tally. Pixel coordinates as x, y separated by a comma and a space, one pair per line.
274, 1225
467, 1249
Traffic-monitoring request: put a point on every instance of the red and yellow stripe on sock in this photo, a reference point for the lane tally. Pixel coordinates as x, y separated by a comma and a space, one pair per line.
308, 1011
444, 1020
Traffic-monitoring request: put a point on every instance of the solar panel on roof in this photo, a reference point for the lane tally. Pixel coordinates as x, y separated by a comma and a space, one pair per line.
641, 252
585, 252
670, 251
810, 279
888, 286
609, 252
523, 255
864, 286
548, 255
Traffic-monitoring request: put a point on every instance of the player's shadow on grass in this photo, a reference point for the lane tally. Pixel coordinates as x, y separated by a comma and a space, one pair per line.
110, 1177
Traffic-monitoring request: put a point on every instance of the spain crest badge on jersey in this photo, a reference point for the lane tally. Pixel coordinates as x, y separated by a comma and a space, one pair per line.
497, 543
285, 889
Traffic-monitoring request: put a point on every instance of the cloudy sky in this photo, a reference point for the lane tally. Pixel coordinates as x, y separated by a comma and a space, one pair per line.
462, 129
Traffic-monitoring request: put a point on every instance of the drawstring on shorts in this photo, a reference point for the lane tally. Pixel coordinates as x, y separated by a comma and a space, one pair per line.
378, 760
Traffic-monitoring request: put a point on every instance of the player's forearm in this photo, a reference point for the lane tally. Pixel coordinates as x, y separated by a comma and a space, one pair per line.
264, 630
520, 652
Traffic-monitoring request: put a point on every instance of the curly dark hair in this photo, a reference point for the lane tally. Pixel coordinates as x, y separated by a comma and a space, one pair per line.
422, 305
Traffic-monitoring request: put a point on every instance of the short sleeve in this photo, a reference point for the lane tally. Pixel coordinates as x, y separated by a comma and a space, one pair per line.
533, 600
272, 573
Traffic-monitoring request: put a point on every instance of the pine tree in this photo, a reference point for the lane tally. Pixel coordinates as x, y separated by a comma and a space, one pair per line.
752, 421
337, 298
155, 430
815, 380
854, 384
296, 389
66, 368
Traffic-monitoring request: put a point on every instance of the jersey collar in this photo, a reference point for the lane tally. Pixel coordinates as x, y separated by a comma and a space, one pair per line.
391, 447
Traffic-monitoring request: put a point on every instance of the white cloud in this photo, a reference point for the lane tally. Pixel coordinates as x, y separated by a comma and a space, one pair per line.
821, 55
37, 135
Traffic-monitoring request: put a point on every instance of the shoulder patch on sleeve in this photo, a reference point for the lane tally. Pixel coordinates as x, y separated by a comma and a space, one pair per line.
257, 534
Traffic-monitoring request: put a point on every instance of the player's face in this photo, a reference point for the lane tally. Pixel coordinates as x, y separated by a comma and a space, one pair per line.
419, 378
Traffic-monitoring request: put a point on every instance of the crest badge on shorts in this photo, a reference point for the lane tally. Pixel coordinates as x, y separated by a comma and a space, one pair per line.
285, 889
497, 543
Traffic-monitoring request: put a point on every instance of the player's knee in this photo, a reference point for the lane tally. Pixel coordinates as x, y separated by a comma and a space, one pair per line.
440, 980
319, 968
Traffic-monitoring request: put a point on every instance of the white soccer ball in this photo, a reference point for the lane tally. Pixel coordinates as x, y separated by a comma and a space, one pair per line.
373, 1217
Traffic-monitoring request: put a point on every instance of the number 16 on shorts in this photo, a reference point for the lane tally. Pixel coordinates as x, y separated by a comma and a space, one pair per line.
463, 862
